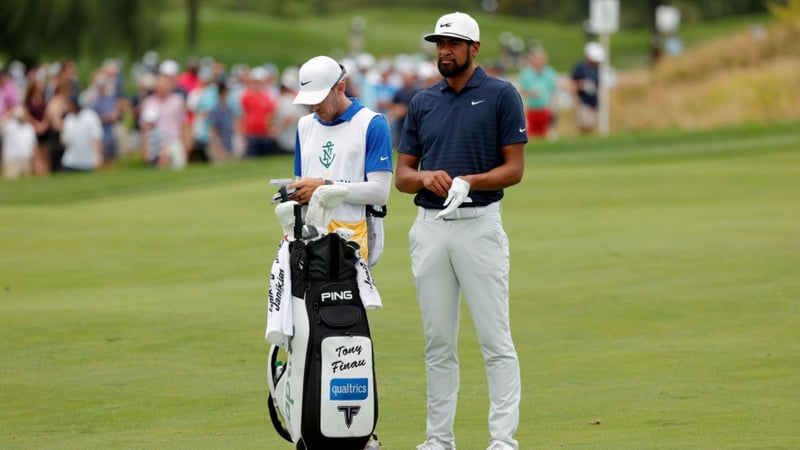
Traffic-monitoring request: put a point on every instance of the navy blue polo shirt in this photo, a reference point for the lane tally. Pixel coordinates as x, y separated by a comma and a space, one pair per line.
464, 132
588, 93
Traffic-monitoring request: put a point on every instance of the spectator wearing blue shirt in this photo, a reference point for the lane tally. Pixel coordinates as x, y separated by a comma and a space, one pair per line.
585, 86
106, 104
537, 82
222, 123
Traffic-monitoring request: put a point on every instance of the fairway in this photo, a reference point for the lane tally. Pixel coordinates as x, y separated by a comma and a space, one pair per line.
655, 301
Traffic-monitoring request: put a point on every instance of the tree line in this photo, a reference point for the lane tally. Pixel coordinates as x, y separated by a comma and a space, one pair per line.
34, 29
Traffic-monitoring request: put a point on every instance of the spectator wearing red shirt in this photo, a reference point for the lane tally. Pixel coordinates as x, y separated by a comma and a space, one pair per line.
257, 110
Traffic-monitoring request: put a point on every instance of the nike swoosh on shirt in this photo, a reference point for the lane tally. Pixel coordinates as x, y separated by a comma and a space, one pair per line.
303, 83
384, 158
522, 130
477, 102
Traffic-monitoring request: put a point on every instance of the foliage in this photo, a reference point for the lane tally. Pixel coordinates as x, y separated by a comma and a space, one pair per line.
31, 30
787, 13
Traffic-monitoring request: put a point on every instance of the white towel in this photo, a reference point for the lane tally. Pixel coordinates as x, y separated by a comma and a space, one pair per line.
370, 297
280, 326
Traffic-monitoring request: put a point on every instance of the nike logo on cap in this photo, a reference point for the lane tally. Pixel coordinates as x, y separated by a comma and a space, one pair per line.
446, 25
303, 83
477, 102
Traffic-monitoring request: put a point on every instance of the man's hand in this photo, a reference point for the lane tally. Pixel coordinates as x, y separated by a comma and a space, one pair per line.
455, 197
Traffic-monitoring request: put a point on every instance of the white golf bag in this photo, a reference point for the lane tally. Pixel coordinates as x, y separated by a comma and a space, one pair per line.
324, 395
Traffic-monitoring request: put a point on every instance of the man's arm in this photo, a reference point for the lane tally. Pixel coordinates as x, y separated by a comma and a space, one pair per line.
410, 179
507, 174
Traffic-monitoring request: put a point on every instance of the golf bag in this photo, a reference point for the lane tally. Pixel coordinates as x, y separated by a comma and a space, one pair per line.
324, 396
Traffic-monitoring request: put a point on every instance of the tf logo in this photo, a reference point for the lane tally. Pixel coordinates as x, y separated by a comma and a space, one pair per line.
349, 413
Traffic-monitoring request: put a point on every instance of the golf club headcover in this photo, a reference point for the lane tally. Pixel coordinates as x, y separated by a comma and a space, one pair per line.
285, 214
323, 201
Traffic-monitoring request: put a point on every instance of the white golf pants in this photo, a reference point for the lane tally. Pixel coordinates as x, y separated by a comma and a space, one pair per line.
469, 255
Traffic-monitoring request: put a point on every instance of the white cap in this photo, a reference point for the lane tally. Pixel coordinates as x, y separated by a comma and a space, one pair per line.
259, 73
169, 67
289, 77
594, 51
457, 25
317, 77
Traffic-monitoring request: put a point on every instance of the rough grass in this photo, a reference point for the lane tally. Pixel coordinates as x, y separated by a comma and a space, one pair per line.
654, 301
743, 78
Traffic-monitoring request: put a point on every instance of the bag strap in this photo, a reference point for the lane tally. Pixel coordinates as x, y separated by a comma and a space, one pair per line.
377, 211
276, 421
274, 415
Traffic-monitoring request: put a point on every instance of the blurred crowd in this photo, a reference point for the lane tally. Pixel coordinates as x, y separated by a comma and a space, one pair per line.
170, 114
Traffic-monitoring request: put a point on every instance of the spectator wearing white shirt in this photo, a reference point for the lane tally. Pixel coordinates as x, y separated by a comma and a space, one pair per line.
82, 137
19, 142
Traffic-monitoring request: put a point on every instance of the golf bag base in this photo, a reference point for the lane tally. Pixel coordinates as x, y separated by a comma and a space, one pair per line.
324, 396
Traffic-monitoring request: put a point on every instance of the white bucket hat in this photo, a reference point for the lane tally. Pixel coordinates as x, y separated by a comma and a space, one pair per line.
316, 78
457, 25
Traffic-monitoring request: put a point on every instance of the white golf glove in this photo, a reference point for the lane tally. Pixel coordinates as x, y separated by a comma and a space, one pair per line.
455, 197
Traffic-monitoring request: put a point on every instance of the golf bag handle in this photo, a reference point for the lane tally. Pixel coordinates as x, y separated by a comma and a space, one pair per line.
298, 222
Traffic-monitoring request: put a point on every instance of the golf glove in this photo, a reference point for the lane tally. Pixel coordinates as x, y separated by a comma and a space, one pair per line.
455, 197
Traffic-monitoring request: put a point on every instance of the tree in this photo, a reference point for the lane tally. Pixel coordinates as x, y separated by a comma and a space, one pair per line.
34, 29
192, 9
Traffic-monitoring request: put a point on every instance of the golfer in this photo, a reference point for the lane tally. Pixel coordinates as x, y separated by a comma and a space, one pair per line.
463, 143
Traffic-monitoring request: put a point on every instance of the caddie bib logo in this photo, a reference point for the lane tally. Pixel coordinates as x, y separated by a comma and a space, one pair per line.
327, 155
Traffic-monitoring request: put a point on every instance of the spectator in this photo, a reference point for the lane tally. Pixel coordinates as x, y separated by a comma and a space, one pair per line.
258, 108
82, 137
222, 126
188, 80
9, 95
57, 108
385, 87
19, 142
399, 107
363, 82
585, 85
537, 83
164, 113
105, 104
428, 74
170, 69
284, 124
35, 106
200, 102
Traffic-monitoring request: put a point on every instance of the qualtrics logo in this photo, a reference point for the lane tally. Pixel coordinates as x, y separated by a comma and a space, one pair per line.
349, 413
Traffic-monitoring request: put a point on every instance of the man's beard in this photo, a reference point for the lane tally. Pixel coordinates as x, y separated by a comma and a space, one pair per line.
456, 69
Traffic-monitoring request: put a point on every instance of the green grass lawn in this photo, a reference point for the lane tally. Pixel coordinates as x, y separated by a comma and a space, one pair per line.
654, 286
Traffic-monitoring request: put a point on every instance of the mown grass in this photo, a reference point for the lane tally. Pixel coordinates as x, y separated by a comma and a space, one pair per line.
655, 302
